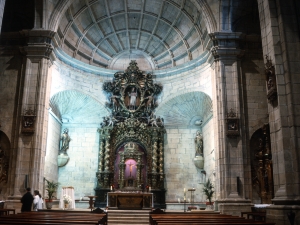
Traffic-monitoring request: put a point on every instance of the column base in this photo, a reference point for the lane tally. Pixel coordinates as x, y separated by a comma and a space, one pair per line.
283, 214
233, 207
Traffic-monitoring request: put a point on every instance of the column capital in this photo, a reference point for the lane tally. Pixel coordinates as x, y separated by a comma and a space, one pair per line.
227, 45
38, 44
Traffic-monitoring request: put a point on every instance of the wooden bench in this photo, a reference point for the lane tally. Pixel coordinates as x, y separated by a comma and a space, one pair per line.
55, 218
7, 211
168, 218
258, 216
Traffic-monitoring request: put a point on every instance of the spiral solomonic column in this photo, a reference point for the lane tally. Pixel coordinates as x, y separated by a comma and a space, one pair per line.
107, 156
122, 167
101, 156
161, 158
154, 164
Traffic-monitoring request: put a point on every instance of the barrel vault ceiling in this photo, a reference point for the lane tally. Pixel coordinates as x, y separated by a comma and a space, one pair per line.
157, 33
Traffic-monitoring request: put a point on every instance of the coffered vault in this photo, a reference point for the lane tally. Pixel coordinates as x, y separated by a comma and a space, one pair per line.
163, 34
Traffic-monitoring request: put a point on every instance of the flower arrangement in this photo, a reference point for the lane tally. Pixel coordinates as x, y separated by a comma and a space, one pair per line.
67, 199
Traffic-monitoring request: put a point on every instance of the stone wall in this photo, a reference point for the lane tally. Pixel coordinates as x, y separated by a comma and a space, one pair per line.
80, 171
53, 138
179, 166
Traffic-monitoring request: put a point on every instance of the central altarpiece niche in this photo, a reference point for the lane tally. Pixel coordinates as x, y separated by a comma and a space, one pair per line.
131, 150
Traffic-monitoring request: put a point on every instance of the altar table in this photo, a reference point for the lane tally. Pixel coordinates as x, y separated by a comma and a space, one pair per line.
129, 200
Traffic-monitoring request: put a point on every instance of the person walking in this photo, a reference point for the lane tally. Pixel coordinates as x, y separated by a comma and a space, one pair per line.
26, 201
37, 201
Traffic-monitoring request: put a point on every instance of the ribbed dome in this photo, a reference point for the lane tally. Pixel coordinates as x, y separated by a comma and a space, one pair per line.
111, 33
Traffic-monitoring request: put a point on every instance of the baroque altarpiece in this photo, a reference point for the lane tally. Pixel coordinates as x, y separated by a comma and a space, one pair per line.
131, 149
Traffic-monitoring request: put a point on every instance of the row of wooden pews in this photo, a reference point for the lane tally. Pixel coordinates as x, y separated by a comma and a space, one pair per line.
204, 218
54, 217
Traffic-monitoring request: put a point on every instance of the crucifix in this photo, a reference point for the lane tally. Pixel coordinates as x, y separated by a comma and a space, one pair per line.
130, 168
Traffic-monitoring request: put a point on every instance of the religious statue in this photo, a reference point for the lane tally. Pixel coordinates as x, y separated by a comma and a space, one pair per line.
65, 140
111, 121
199, 144
133, 96
149, 102
115, 102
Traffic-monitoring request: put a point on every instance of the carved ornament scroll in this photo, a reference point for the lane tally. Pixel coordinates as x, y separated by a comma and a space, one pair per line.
233, 129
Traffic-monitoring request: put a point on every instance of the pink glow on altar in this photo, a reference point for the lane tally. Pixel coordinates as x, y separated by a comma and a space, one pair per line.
130, 170
127, 168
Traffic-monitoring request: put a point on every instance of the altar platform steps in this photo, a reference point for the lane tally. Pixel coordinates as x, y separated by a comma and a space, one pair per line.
128, 217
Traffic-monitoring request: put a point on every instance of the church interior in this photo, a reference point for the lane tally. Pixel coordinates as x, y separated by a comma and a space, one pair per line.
152, 99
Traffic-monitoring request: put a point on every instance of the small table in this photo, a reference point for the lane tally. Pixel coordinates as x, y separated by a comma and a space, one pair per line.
91, 201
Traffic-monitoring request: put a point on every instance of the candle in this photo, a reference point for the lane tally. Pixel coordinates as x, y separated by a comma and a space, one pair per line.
184, 190
149, 188
111, 188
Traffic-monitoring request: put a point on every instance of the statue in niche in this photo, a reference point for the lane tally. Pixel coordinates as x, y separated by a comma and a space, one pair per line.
65, 140
232, 125
198, 144
132, 96
270, 83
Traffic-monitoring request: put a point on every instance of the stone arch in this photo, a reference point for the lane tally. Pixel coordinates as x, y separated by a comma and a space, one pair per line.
261, 166
211, 23
4, 158
57, 13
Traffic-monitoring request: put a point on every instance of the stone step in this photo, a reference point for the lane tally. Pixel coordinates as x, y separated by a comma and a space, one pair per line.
120, 217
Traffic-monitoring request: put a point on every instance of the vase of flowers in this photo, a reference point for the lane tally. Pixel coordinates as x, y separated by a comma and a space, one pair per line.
67, 200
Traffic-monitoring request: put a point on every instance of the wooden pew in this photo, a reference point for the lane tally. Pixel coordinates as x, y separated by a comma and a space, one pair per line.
199, 218
55, 218
7, 211
258, 216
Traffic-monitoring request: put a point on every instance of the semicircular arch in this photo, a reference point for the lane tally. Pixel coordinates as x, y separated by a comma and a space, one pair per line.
186, 109
72, 106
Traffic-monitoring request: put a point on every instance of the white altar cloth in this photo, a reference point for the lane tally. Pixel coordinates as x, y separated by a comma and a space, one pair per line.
70, 192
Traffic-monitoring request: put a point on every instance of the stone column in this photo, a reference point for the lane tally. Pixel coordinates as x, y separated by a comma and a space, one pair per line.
228, 97
2, 4
280, 41
36, 77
